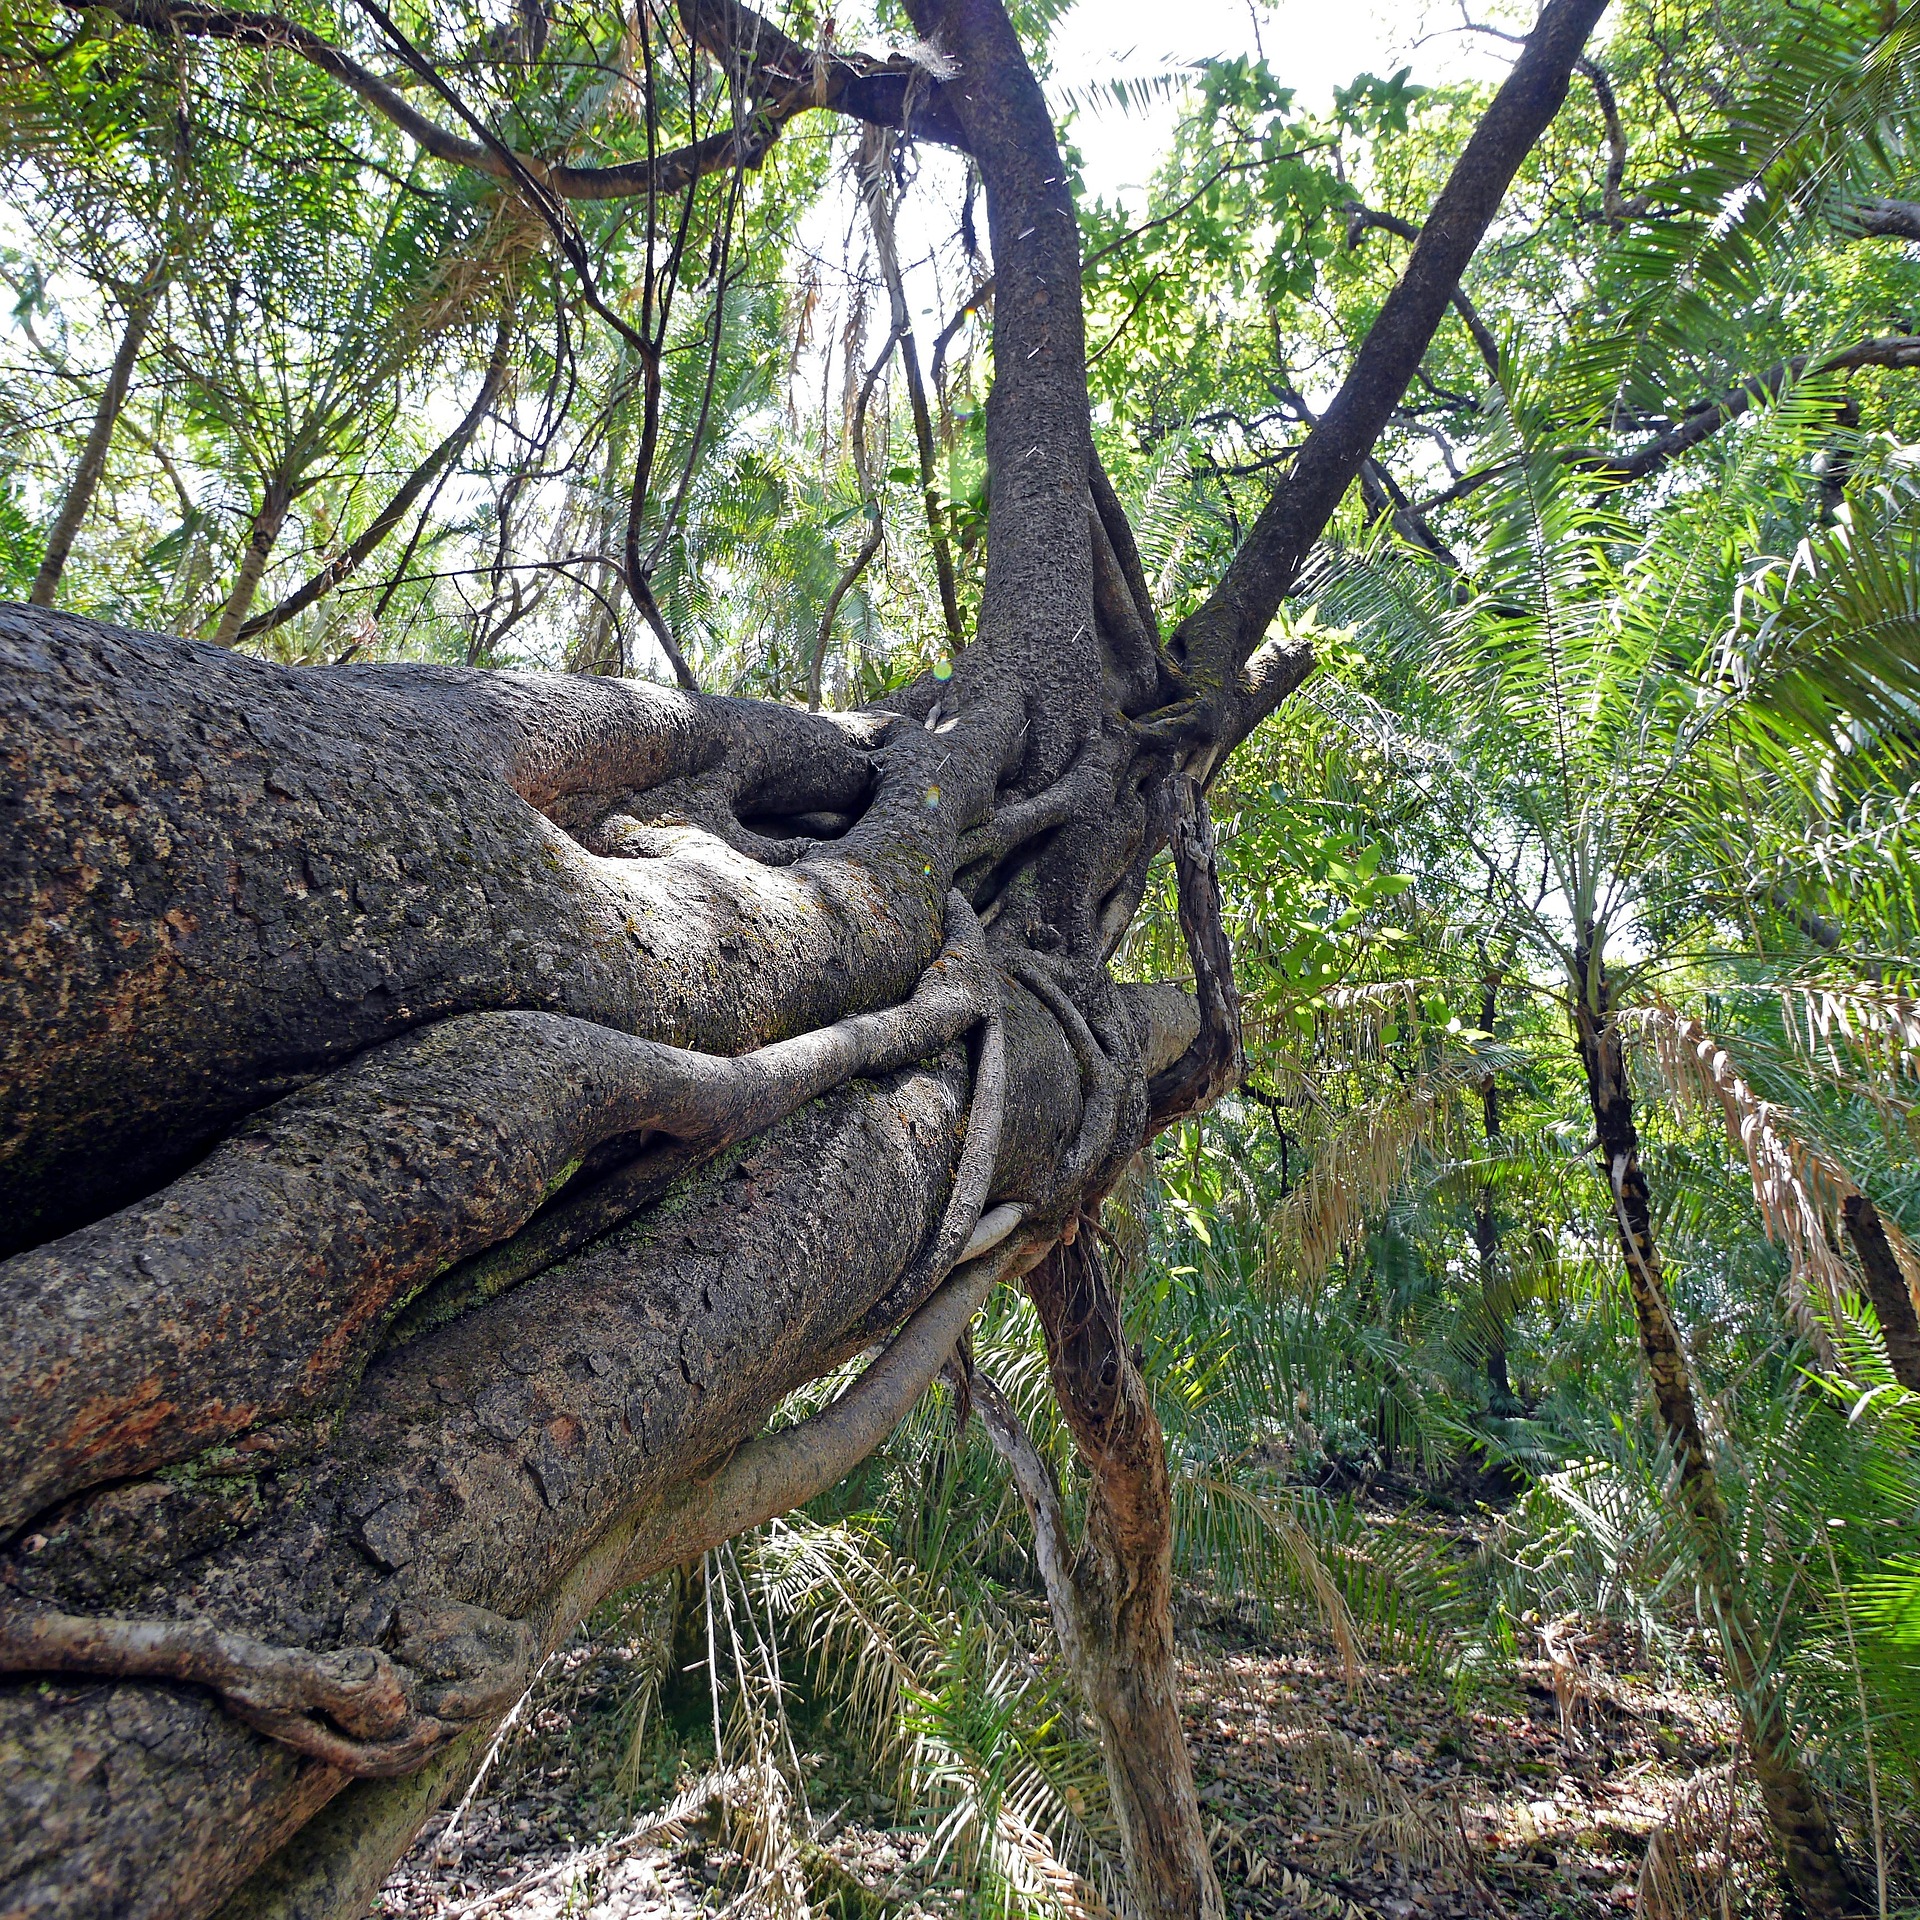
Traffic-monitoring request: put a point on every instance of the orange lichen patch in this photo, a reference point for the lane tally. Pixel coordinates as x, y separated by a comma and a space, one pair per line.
112, 1425
563, 1430
378, 1283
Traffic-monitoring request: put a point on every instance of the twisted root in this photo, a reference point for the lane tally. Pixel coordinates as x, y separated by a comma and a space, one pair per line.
359, 1709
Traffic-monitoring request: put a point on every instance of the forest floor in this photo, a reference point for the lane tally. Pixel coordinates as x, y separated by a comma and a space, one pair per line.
1531, 1794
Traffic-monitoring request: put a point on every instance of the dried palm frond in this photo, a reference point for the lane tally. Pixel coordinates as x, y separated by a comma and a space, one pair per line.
1879, 1023
1355, 1173
1573, 1681
1710, 1855
1799, 1187
1359, 1168
1864, 1039
1301, 1894
1365, 1810
1350, 1024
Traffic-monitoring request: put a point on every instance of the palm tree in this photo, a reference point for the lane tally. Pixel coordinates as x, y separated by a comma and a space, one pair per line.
1612, 687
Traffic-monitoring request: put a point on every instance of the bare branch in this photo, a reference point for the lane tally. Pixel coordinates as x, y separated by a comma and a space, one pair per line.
1362, 220
1705, 420
1226, 630
884, 91
383, 523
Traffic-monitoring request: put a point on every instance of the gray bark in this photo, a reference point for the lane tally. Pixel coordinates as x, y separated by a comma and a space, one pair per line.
225, 884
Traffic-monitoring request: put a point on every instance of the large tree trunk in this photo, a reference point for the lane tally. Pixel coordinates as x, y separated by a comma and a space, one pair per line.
1802, 1826
444, 1112
92, 468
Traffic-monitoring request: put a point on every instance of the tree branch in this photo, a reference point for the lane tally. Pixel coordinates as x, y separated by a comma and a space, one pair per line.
1216, 1061
785, 78
1362, 220
1230, 625
1880, 219
1705, 420
383, 523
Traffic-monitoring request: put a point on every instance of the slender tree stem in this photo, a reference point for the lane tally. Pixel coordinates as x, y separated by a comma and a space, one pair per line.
92, 467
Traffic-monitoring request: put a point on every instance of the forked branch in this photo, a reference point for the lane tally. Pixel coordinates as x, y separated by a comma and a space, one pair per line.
783, 79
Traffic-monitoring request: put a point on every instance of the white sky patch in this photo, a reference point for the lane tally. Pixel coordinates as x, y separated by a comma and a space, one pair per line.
1310, 45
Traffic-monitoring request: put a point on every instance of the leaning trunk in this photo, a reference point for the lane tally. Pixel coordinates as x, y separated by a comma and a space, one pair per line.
1121, 1641
1887, 1288
93, 456
1796, 1810
267, 523
246, 902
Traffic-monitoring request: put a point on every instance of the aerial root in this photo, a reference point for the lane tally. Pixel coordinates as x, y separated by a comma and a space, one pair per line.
659, 823
1088, 782
960, 1235
356, 1708
1101, 1081
1216, 1060
97, 1384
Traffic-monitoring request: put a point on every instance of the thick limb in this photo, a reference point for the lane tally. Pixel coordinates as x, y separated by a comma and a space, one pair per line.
481, 1462
407, 842
781, 75
1213, 642
369, 1712
255, 1288
332, 1869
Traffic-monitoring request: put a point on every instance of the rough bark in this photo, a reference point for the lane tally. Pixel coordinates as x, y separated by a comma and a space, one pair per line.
1112, 1597
1802, 1826
1887, 1287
